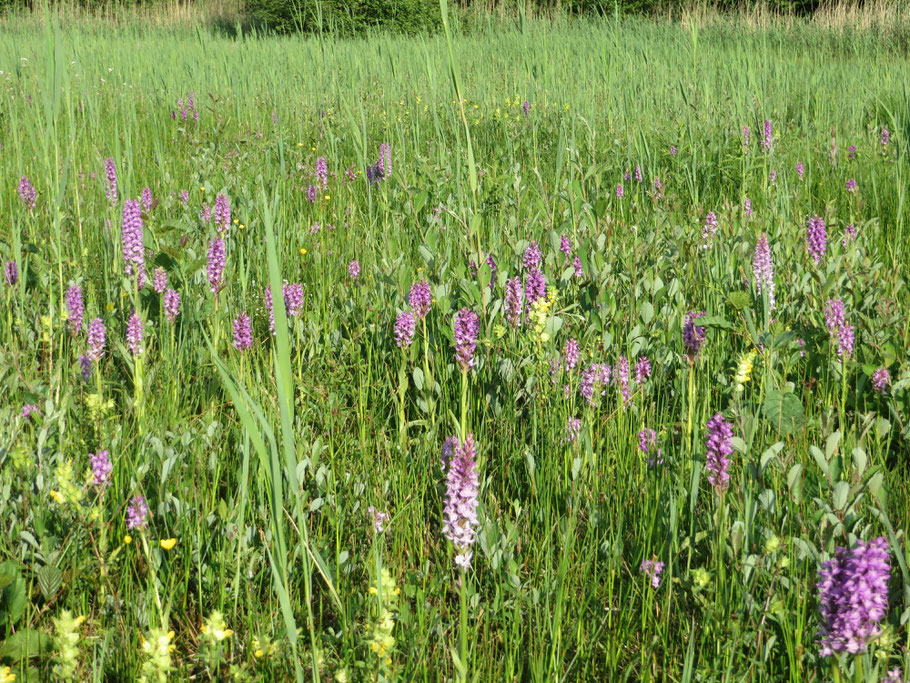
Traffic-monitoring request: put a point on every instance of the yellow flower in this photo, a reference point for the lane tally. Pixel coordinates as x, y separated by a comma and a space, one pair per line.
300, 144
328, 197
744, 370
236, 221
202, 189
56, 496
127, 539
6, 675
168, 543
302, 251
372, 590
110, 307
313, 149
242, 226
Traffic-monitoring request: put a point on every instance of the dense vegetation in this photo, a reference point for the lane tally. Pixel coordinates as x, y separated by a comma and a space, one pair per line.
503, 240
351, 17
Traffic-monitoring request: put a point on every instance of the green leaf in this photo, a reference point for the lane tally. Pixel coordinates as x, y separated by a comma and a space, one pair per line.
795, 482
716, 322
839, 499
647, 312
49, 580
784, 412
25, 643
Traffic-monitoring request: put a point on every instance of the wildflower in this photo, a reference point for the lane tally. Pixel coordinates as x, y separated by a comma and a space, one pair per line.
216, 261
70, 491
131, 240
514, 301
66, 640
838, 329
110, 178
638, 176
205, 213
570, 353
709, 230
159, 280
28, 410
6, 675
243, 332
526, 106
492, 263
404, 329
420, 298
184, 197
167, 543
85, 367
171, 304
652, 570
747, 206
467, 325
594, 375
772, 177
621, 377
134, 334
214, 628
673, 150
693, 335
381, 641
535, 286
532, 256
885, 137
576, 266
746, 135
647, 444
293, 298
384, 164
75, 307
880, 380
573, 429
354, 270
137, 513
816, 238
101, 468
851, 185
853, 596
718, 448
322, 172
157, 650
146, 199
851, 152
766, 138
744, 370
763, 269
127, 539
27, 193
262, 646
800, 169
642, 369
849, 235
460, 514
11, 273
222, 213
378, 518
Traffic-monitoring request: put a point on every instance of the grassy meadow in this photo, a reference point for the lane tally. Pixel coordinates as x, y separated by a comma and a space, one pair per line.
541, 463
